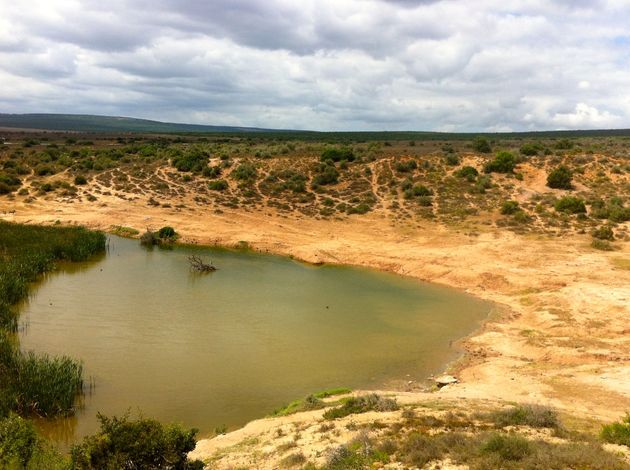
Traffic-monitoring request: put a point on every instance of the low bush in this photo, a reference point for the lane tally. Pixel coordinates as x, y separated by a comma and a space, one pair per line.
9, 183
530, 149
245, 172
142, 443
406, 166
570, 205
194, 160
468, 172
326, 174
605, 232
535, 416
564, 144
362, 208
452, 159
218, 185
80, 180
363, 404
509, 207
417, 191
167, 232
508, 447
211, 171
504, 162
560, 178
17, 442
337, 154
481, 145
602, 245
618, 432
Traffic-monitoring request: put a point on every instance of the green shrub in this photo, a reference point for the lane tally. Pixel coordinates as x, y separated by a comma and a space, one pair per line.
218, 185
149, 238
363, 404
43, 170
17, 442
535, 416
504, 162
406, 166
605, 232
194, 160
311, 402
337, 154
508, 447
245, 172
618, 432
467, 172
9, 183
141, 443
603, 245
560, 178
484, 182
452, 159
80, 180
564, 144
167, 232
481, 145
287, 180
419, 449
509, 207
530, 149
326, 175
211, 171
417, 190
570, 205
362, 208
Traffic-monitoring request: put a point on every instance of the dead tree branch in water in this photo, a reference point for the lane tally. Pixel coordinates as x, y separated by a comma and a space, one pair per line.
197, 264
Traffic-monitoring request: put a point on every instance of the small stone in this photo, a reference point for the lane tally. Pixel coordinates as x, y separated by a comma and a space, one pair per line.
444, 380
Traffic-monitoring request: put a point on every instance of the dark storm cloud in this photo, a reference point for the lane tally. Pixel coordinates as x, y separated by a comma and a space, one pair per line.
344, 64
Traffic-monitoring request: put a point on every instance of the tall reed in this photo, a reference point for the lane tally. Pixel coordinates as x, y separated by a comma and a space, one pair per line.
29, 382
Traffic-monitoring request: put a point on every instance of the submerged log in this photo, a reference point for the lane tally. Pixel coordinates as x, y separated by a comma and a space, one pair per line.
197, 264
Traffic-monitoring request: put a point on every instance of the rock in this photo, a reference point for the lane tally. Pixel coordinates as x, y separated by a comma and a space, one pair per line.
444, 380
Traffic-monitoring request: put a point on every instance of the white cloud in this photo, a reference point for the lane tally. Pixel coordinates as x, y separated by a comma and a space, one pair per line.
322, 64
586, 117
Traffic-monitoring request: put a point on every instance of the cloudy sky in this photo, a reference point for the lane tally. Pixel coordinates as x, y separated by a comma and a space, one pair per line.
456, 65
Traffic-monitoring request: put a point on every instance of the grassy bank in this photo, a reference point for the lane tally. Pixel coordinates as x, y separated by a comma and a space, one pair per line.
36, 383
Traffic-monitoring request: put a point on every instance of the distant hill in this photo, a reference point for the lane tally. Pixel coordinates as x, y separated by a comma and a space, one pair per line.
113, 124
91, 123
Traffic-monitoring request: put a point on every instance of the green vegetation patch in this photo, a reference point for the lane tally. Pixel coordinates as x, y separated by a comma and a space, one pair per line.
504, 162
337, 154
122, 231
570, 205
362, 404
534, 416
618, 432
311, 402
36, 383
560, 178
142, 443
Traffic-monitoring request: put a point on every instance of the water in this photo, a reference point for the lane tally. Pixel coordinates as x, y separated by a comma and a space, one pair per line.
227, 347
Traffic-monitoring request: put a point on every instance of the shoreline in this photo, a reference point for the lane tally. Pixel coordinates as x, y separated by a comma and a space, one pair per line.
560, 325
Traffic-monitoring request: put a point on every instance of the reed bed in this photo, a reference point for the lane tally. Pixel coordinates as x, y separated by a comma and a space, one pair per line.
36, 383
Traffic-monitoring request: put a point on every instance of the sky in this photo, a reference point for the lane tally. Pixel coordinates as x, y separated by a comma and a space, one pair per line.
455, 65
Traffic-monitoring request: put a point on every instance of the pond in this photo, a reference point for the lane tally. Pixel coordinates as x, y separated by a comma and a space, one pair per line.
216, 349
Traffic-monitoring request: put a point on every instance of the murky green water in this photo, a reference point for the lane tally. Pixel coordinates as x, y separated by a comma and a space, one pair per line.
227, 347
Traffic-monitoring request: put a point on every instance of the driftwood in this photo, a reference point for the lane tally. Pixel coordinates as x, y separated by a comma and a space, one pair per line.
197, 264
